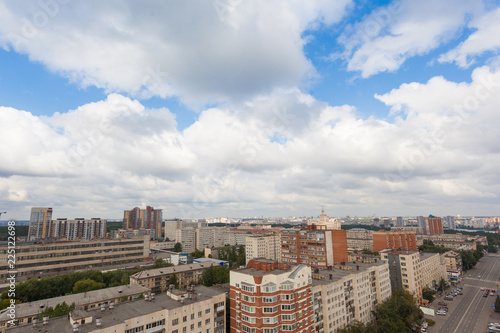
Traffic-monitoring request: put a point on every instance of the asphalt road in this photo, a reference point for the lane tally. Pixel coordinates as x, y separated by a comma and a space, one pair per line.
471, 312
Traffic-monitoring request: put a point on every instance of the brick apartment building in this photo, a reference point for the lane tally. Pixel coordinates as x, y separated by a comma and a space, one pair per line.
314, 246
268, 296
395, 240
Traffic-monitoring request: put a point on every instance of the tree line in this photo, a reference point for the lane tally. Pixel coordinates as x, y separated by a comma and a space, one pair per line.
66, 284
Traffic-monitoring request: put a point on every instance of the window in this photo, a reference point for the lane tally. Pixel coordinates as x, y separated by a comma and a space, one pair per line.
199, 314
175, 322
192, 316
287, 307
207, 321
207, 311
247, 329
249, 299
270, 299
247, 308
184, 319
199, 324
269, 288
248, 319
271, 330
246, 287
135, 330
272, 309
289, 327
270, 320
288, 317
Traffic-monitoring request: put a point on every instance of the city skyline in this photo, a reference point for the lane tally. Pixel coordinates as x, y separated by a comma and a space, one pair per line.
232, 108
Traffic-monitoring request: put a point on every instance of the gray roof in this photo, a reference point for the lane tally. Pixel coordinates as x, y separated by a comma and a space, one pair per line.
121, 312
33, 308
149, 273
338, 274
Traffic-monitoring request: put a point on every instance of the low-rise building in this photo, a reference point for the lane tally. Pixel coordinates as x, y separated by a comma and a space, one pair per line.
47, 258
27, 313
199, 310
158, 279
453, 241
156, 246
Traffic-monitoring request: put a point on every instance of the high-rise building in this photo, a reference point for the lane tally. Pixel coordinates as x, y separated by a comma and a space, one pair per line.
263, 246
170, 227
314, 247
433, 225
399, 221
325, 222
40, 223
420, 222
394, 240
79, 228
450, 221
149, 218
267, 297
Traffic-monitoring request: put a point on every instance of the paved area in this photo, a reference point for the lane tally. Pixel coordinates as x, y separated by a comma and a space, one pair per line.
471, 312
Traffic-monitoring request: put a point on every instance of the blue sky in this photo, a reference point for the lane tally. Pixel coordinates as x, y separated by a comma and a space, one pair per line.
228, 108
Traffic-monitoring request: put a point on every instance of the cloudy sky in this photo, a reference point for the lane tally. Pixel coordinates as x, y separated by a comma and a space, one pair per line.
248, 108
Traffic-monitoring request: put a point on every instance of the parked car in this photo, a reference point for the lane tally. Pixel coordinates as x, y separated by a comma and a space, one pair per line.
443, 303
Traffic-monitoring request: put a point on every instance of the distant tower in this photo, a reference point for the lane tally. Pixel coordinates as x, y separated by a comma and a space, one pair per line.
399, 221
329, 223
40, 223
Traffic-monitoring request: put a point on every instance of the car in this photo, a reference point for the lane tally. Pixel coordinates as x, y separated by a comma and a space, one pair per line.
443, 303
441, 313
460, 293
448, 298
482, 288
461, 288
479, 276
470, 275
485, 295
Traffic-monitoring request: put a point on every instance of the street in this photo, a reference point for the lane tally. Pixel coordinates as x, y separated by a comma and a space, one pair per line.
471, 312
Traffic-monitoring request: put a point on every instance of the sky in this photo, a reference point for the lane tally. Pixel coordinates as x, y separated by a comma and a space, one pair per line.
233, 108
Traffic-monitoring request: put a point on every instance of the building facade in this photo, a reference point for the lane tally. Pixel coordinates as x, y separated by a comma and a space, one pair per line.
266, 297
265, 246
349, 292
359, 239
34, 260
158, 279
394, 240
199, 310
40, 223
412, 271
433, 225
79, 228
138, 219
313, 247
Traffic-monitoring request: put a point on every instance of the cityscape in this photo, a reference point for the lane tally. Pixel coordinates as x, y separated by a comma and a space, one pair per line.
213, 166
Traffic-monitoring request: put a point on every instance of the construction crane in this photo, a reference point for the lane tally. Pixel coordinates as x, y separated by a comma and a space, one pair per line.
2, 213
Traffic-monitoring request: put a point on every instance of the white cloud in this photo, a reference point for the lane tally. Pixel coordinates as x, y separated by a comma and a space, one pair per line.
197, 50
441, 152
390, 35
484, 39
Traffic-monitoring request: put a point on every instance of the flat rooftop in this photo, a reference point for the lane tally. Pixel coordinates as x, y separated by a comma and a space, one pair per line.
338, 274
33, 308
150, 273
121, 313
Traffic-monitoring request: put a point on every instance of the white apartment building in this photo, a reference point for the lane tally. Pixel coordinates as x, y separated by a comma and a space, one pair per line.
360, 239
171, 227
202, 310
263, 246
349, 292
412, 271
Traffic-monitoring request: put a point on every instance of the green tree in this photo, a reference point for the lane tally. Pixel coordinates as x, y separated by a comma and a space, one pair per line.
497, 303
197, 254
173, 280
215, 275
87, 285
398, 313
159, 263
428, 294
177, 247
442, 285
